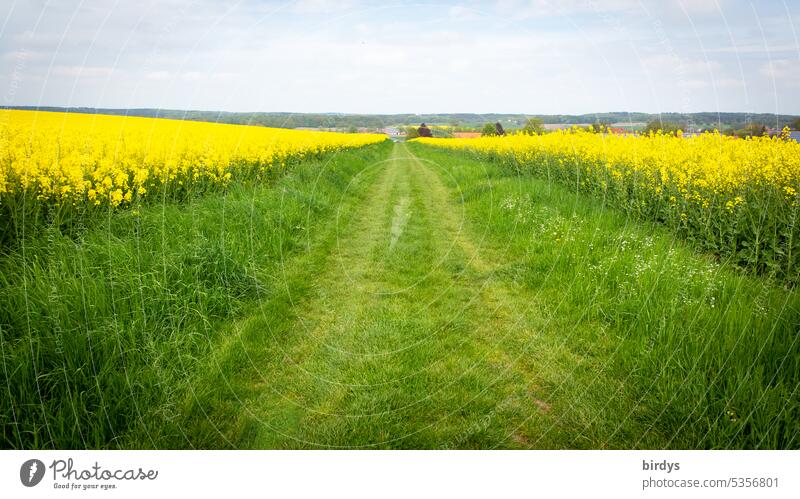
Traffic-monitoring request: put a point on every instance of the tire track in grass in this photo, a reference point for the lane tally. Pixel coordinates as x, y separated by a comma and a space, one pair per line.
409, 338
522, 333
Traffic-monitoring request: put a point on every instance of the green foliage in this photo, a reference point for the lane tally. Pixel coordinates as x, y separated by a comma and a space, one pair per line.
751, 130
601, 126
412, 132
666, 127
442, 132
533, 126
488, 130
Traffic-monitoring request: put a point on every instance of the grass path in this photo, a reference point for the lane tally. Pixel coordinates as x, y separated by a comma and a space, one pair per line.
410, 339
395, 296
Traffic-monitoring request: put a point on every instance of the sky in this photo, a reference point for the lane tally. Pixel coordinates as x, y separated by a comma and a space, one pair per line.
352, 56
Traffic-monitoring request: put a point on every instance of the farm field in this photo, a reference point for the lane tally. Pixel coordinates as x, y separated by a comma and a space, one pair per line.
738, 199
350, 292
60, 168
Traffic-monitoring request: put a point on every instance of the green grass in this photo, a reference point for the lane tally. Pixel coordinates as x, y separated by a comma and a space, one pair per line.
417, 299
709, 355
101, 328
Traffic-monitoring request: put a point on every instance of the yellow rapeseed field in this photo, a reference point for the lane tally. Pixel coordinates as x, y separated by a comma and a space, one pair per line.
736, 197
97, 160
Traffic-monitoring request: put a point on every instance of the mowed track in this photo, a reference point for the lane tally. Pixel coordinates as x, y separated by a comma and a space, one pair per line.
410, 337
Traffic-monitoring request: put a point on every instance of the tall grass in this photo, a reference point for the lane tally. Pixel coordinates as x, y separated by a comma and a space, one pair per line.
101, 325
709, 355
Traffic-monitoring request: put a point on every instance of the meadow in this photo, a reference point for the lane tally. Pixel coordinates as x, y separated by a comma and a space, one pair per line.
166, 284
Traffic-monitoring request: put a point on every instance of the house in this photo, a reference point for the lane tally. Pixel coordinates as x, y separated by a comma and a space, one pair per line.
392, 131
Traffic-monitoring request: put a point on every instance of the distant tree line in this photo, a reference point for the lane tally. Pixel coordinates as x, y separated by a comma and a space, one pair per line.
454, 122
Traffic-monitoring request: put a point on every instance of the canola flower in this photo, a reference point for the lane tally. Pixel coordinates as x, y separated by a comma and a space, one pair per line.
80, 160
736, 197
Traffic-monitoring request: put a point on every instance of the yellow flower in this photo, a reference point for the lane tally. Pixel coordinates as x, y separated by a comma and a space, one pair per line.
102, 159
709, 171
116, 197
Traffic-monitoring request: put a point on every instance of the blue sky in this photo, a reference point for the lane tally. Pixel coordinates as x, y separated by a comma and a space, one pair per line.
534, 56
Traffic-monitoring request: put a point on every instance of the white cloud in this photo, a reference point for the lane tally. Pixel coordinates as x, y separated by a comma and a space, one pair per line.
523, 9
81, 71
685, 65
571, 56
159, 75
700, 7
757, 48
785, 70
464, 13
322, 6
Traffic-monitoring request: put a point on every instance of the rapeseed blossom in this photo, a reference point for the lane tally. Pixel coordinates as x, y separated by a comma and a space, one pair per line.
736, 197
79, 159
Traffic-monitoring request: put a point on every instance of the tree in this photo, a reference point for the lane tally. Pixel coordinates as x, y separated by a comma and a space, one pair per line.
411, 132
751, 130
667, 127
489, 130
442, 133
533, 126
424, 131
796, 124
602, 126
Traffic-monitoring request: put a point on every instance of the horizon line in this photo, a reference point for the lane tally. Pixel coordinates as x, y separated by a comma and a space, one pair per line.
340, 113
